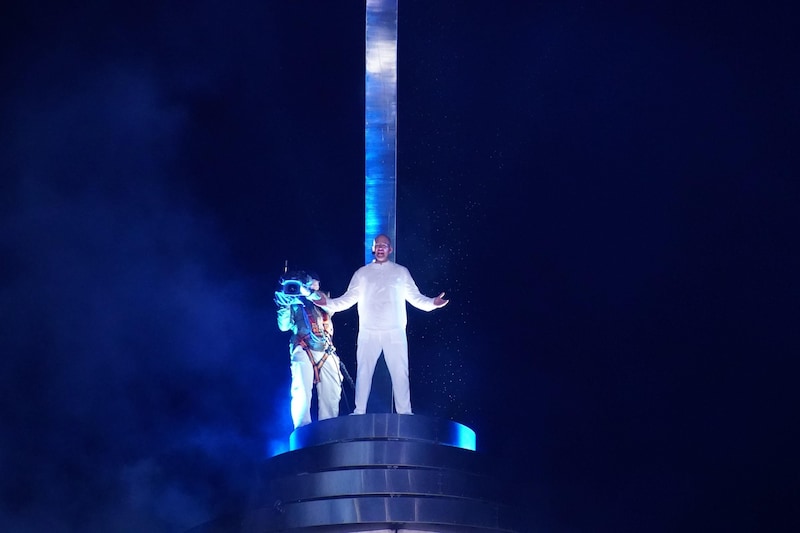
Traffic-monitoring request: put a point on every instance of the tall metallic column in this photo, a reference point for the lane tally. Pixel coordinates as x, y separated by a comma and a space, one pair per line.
381, 122
380, 154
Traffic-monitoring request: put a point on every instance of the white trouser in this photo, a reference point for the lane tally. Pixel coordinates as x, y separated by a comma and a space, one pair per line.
394, 345
329, 388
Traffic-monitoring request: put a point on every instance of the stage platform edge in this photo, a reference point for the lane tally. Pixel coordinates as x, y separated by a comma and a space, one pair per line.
378, 472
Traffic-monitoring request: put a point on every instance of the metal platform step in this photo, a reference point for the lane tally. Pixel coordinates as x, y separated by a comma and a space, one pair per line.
378, 473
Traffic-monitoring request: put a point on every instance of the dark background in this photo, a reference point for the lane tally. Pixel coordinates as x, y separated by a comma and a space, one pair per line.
608, 194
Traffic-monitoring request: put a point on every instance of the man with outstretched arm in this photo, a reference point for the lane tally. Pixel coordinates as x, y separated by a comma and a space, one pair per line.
381, 289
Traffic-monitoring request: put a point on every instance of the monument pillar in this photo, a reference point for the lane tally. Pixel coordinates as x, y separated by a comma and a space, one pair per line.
380, 154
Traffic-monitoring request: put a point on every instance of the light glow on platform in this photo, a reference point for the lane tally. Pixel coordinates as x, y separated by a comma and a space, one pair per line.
383, 426
466, 438
293, 444
277, 447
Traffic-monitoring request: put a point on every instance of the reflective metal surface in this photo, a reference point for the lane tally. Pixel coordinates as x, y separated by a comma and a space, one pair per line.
384, 426
380, 148
380, 115
386, 453
421, 514
393, 482
377, 472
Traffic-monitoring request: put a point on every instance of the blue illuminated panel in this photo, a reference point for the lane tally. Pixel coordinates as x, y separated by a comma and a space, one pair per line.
465, 437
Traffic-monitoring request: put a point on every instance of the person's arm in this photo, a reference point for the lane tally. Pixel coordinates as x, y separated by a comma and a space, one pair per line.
419, 300
285, 318
346, 300
285, 321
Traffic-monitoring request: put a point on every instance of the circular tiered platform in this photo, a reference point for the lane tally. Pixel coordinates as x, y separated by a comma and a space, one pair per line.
378, 473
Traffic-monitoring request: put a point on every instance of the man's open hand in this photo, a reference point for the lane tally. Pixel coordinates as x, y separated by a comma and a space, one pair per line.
439, 301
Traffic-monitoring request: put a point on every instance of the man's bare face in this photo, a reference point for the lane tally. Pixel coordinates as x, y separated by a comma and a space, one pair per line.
382, 248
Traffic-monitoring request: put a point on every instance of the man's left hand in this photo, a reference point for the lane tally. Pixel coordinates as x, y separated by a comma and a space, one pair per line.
439, 301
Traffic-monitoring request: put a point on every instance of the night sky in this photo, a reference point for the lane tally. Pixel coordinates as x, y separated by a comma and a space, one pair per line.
607, 193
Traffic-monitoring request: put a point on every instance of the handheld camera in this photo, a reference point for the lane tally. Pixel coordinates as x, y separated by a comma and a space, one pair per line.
296, 283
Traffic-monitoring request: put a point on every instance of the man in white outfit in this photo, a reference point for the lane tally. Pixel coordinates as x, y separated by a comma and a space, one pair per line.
381, 289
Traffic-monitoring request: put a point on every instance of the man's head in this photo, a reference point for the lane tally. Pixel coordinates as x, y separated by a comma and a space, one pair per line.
381, 248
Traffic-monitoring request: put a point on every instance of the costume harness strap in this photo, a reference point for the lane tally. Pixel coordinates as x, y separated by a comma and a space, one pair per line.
316, 330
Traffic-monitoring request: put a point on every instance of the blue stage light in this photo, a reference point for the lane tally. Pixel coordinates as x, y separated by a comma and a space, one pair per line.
465, 438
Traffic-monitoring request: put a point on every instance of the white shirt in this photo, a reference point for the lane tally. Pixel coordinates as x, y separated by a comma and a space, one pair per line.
381, 291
